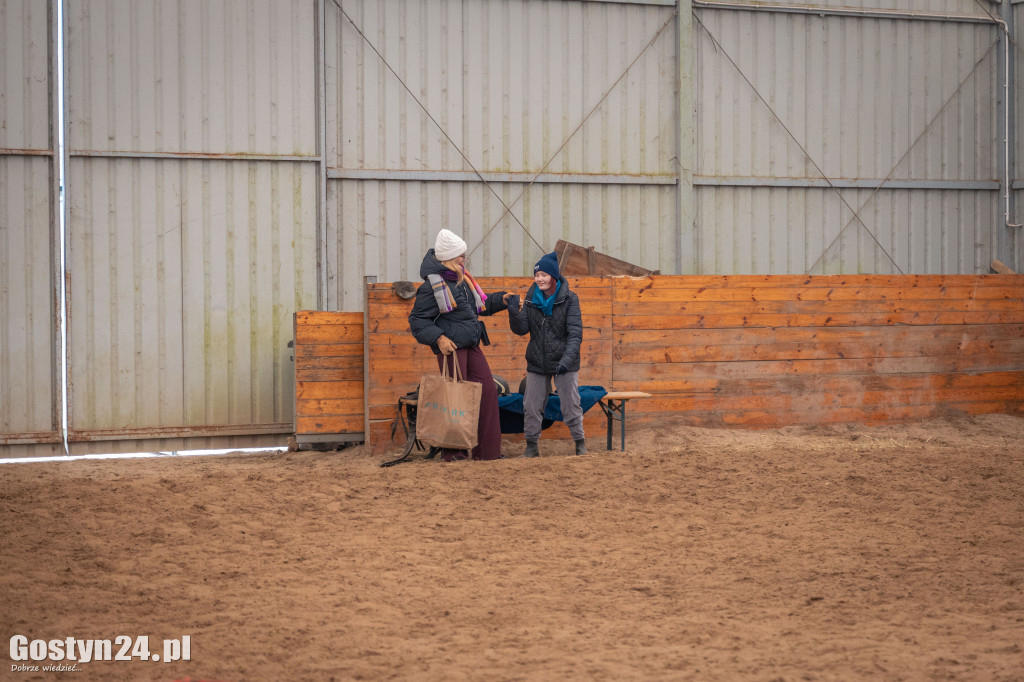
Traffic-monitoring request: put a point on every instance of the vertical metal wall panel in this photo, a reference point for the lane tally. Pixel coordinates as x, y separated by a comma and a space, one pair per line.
249, 258
864, 119
185, 275
29, 377
518, 88
27, 336
24, 75
193, 205
184, 76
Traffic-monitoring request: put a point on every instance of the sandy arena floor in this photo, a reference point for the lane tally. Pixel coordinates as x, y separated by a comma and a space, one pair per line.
838, 553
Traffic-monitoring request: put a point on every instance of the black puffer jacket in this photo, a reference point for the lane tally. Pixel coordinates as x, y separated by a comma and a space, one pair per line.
462, 325
554, 340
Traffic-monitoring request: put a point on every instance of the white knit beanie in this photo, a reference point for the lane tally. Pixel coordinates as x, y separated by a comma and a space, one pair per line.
448, 245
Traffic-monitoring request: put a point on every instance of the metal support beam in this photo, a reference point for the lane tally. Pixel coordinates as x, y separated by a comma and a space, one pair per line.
519, 177
845, 12
842, 183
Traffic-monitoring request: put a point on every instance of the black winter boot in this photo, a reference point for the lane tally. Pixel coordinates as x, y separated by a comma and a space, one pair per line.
531, 449
581, 446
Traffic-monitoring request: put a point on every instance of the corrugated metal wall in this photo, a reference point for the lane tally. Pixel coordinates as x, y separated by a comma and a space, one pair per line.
579, 96
29, 377
193, 205
232, 161
865, 146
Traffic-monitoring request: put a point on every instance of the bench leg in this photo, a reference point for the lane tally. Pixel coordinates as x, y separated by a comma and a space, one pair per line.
615, 411
622, 427
608, 415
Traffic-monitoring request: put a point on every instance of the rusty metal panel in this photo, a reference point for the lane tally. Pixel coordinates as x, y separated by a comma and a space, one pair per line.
866, 146
30, 409
444, 113
177, 76
184, 279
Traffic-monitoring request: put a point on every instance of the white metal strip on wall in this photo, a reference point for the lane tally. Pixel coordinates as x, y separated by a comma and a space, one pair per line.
860, 100
506, 85
29, 375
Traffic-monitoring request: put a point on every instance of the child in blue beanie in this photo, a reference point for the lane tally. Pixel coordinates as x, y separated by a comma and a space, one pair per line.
551, 316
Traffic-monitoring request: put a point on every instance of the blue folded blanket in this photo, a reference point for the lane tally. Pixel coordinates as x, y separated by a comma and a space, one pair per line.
510, 408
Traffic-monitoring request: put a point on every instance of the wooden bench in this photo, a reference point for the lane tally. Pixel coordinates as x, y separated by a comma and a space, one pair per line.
613, 404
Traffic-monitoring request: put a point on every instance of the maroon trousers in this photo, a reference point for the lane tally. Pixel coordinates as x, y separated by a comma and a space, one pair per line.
474, 367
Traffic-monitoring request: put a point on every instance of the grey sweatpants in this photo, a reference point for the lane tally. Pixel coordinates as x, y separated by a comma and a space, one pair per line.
536, 399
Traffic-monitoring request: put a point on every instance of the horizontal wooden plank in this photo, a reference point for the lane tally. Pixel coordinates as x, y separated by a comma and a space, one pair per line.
386, 299
328, 350
761, 419
329, 363
507, 283
306, 376
800, 293
853, 384
652, 338
816, 349
396, 325
623, 371
392, 317
329, 390
328, 333
328, 424
818, 306
821, 401
500, 346
497, 336
625, 322
308, 317
816, 281
339, 406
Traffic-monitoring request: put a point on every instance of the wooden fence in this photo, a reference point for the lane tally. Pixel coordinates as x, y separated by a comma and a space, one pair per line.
329, 388
738, 351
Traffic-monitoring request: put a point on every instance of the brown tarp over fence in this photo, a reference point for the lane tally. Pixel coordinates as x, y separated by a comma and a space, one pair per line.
751, 351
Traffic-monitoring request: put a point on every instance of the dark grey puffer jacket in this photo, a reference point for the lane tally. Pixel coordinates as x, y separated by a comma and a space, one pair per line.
462, 325
554, 340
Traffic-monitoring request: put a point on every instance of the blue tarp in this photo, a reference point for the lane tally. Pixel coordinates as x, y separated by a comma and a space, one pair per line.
510, 408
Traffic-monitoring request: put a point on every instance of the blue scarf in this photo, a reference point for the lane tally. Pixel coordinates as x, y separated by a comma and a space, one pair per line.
546, 303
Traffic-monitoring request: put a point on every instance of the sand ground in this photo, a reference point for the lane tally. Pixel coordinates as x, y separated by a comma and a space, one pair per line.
836, 553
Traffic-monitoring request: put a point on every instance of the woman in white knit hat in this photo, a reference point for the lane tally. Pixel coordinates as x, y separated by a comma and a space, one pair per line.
446, 317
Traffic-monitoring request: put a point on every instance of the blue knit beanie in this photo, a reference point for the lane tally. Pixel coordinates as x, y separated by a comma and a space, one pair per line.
549, 264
